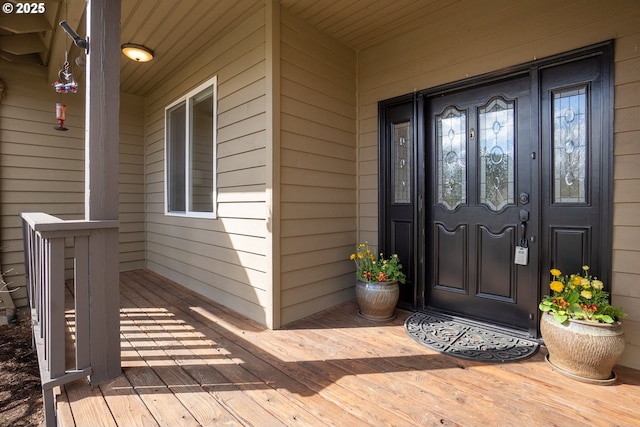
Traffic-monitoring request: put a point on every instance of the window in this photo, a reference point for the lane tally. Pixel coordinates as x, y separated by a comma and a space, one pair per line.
190, 148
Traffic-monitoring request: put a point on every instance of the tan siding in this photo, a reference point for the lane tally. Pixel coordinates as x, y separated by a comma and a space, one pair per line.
42, 169
223, 258
131, 183
626, 245
492, 34
318, 170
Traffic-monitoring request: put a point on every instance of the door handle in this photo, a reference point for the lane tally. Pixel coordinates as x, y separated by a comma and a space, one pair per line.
524, 215
524, 198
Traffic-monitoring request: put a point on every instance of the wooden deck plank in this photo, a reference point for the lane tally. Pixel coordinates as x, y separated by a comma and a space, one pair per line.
314, 376
260, 387
320, 370
174, 340
472, 375
64, 415
127, 407
305, 349
203, 408
88, 406
184, 354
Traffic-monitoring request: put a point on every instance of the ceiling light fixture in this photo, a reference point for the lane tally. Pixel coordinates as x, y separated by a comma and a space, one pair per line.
137, 52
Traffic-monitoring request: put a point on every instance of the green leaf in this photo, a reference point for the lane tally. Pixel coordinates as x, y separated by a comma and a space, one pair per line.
572, 297
604, 318
575, 309
560, 318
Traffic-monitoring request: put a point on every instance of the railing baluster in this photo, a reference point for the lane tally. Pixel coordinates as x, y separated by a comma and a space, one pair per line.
81, 291
55, 310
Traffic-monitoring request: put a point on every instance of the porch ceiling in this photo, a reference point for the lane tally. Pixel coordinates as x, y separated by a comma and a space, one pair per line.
182, 29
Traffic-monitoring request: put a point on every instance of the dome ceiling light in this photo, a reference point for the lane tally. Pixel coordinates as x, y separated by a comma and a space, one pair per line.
137, 52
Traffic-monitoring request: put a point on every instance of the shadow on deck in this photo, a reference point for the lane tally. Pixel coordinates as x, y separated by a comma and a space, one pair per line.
189, 361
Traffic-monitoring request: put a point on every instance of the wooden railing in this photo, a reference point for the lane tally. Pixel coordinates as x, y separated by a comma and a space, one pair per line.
45, 238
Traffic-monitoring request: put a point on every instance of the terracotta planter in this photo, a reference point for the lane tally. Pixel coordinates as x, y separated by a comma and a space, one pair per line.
584, 351
377, 300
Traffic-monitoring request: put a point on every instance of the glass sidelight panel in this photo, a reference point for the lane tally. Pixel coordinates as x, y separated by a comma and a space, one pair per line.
451, 158
401, 161
496, 147
570, 145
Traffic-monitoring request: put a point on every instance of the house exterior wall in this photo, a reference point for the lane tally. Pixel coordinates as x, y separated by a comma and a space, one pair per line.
224, 259
458, 43
317, 169
42, 169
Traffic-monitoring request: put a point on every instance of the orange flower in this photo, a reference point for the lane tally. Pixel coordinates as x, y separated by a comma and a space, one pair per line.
382, 277
556, 286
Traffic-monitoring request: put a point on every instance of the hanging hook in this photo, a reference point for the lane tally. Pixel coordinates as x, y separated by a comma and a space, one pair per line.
80, 42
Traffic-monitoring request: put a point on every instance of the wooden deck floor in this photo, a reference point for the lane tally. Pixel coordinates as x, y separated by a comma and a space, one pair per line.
188, 362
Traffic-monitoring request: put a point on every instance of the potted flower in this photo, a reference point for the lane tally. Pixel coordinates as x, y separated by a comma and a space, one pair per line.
580, 328
377, 289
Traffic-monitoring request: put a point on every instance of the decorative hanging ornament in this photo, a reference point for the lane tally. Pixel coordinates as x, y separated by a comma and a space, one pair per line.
61, 115
65, 83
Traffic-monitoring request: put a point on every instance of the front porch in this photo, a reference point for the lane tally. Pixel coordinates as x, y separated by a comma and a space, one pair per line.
189, 361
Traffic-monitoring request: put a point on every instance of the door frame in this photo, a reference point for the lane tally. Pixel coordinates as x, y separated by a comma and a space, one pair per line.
420, 101
417, 190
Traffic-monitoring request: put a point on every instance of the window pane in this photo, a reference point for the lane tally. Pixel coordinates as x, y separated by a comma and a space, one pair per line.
201, 190
496, 140
570, 145
451, 140
401, 152
176, 122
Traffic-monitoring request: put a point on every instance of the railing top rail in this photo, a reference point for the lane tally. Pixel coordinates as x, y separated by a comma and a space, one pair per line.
43, 223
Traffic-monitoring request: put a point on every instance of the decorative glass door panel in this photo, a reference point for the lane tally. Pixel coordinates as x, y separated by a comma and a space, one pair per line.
570, 145
496, 140
451, 141
402, 161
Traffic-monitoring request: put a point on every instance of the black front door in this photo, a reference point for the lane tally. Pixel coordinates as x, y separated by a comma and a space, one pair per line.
482, 204
473, 173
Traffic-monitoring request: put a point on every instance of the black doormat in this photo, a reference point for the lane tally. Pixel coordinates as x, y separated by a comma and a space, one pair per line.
467, 339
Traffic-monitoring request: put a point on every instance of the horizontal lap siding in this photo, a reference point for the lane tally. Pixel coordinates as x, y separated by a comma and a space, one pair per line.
42, 169
487, 35
131, 182
223, 258
318, 170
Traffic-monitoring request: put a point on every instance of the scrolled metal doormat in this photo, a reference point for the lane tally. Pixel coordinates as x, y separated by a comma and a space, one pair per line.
467, 339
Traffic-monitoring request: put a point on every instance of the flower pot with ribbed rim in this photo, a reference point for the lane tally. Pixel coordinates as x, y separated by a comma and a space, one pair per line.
377, 300
584, 351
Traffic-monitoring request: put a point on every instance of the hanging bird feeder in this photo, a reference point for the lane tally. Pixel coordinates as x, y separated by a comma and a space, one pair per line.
61, 115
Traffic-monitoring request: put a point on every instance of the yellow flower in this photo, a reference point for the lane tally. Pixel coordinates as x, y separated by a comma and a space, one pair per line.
585, 267
586, 294
360, 255
585, 283
577, 280
555, 272
352, 257
556, 286
368, 252
597, 284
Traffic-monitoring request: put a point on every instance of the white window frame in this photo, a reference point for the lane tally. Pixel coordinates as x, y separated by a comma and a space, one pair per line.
186, 98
